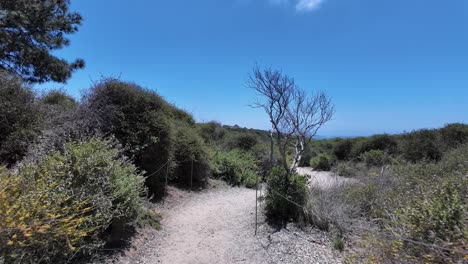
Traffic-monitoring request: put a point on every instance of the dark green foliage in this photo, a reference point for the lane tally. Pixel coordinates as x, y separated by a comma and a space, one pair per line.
29, 31
338, 243
262, 135
191, 156
321, 163
160, 138
148, 218
211, 131
385, 143
20, 119
374, 158
421, 145
140, 120
261, 152
424, 144
236, 167
277, 207
454, 135
306, 157
343, 149
179, 114
243, 141
60, 99
347, 168
252, 140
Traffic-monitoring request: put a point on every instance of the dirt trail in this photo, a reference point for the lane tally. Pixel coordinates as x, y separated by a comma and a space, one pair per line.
323, 179
217, 226
212, 226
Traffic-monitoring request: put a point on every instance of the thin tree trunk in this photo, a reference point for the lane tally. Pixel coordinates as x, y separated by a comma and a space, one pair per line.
272, 144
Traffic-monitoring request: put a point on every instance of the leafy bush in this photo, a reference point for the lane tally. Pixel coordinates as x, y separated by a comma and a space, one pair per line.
454, 135
141, 121
338, 243
193, 166
59, 98
159, 137
243, 141
435, 197
277, 207
211, 131
348, 169
59, 208
148, 218
306, 157
367, 198
421, 145
261, 153
385, 143
235, 167
424, 202
436, 216
343, 149
20, 119
321, 163
376, 158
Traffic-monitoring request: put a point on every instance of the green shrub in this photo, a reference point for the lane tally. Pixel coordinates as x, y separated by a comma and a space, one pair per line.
435, 197
437, 215
68, 204
454, 135
348, 169
385, 143
235, 167
374, 158
421, 145
338, 243
20, 123
262, 156
306, 157
160, 138
279, 208
424, 202
343, 149
148, 218
243, 141
59, 98
191, 156
141, 121
321, 163
211, 131
366, 198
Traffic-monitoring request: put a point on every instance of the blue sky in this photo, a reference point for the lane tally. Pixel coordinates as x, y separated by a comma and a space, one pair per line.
389, 66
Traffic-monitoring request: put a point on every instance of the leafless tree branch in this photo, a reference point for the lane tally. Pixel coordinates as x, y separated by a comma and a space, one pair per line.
295, 115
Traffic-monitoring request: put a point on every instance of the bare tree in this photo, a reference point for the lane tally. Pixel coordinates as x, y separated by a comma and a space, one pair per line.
306, 114
295, 116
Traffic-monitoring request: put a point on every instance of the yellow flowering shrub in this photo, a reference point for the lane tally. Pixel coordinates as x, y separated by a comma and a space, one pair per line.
60, 207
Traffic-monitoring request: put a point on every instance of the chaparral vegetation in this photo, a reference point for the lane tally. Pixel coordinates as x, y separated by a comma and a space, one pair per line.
80, 175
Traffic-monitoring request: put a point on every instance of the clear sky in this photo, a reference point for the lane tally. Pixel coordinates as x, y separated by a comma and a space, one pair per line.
389, 66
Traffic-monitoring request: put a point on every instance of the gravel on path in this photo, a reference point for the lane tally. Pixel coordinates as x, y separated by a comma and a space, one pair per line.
217, 226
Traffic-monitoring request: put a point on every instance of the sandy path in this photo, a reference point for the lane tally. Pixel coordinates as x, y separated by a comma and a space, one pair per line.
213, 227
323, 179
217, 226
